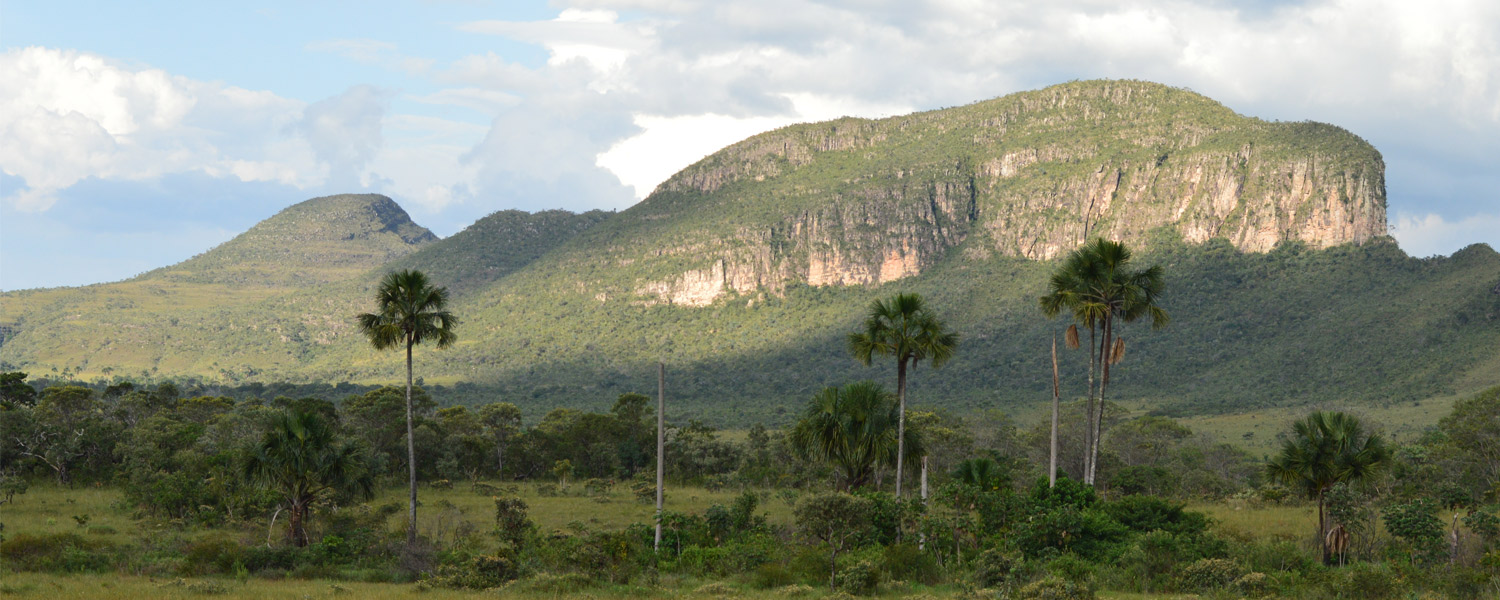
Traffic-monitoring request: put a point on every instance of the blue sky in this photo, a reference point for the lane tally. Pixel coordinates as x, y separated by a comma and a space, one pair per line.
135, 135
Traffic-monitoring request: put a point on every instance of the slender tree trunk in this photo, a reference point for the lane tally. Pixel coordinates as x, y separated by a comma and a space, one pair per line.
900, 422
1052, 470
297, 526
1105, 355
411, 454
661, 443
1088, 425
1322, 528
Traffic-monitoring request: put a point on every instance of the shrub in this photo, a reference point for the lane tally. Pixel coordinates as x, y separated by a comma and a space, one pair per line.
904, 562
1149, 513
1367, 581
512, 525
859, 579
1053, 588
772, 575
994, 568
1417, 524
65, 552
210, 556
1210, 574
1253, 585
1088, 532
480, 572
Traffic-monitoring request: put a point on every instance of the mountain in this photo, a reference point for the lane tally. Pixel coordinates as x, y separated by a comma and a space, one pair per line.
745, 271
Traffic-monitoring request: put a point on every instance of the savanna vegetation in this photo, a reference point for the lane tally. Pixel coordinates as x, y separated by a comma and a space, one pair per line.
858, 495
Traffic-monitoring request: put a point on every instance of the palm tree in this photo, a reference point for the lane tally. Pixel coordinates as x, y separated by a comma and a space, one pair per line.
855, 429
1325, 449
903, 327
1097, 285
302, 459
410, 311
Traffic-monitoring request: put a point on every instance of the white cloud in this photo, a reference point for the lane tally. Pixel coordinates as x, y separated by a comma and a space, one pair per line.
345, 132
1431, 235
66, 116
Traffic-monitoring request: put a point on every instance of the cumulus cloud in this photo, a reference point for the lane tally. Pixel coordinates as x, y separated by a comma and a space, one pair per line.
692, 75
1432, 235
345, 132
66, 116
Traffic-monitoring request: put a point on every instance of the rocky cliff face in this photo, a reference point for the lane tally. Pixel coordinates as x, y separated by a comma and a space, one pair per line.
1030, 175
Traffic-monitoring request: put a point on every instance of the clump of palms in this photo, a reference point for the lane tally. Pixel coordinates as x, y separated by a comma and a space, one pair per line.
1099, 288
1325, 449
855, 429
301, 458
903, 327
409, 311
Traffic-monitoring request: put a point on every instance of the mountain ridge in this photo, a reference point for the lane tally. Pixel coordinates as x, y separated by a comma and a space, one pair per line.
747, 284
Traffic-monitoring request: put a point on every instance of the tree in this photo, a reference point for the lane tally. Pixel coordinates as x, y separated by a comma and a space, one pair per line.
1098, 287
502, 420
903, 327
1325, 449
835, 518
410, 311
15, 392
855, 429
303, 461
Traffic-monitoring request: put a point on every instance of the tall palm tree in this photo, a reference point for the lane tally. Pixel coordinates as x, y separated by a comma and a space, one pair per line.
1325, 449
903, 327
1097, 285
855, 429
410, 311
302, 459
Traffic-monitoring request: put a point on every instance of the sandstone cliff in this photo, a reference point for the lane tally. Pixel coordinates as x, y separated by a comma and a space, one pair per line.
1031, 175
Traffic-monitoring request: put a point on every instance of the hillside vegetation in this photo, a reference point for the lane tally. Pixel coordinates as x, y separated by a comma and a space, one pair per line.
745, 271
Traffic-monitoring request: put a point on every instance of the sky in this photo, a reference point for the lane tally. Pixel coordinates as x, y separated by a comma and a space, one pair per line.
136, 135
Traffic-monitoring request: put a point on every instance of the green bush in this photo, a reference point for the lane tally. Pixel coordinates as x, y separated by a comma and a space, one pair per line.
480, 572
860, 578
1210, 574
772, 575
211, 556
995, 568
62, 552
904, 562
1054, 588
1149, 513
1364, 580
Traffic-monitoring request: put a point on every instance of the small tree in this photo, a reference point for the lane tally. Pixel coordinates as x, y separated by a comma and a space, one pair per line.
834, 518
502, 420
1325, 449
304, 461
903, 327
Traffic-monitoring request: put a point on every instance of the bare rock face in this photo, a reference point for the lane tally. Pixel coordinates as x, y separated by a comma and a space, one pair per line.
1035, 174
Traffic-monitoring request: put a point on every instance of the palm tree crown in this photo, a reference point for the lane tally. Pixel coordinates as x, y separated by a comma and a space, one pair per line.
854, 428
903, 327
1325, 449
302, 459
410, 312
1097, 285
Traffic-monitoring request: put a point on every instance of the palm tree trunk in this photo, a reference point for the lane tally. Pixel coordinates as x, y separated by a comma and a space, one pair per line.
900, 422
1052, 471
411, 454
1098, 425
1088, 424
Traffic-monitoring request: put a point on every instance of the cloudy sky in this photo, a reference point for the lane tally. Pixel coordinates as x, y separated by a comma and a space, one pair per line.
135, 135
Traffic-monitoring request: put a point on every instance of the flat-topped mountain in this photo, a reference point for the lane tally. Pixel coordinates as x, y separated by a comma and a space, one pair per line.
1032, 175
